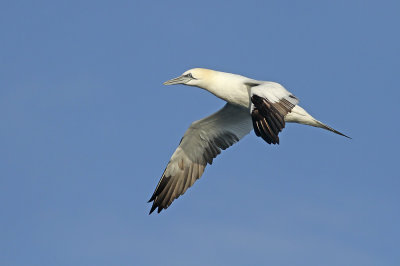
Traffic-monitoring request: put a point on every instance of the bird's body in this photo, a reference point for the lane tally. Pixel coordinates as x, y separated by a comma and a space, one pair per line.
251, 104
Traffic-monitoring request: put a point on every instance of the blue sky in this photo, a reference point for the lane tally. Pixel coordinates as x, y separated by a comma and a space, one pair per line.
87, 128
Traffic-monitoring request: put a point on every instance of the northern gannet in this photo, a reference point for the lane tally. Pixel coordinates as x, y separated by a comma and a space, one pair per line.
264, 106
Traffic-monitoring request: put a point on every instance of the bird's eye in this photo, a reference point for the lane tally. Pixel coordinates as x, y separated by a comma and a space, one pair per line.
189, 75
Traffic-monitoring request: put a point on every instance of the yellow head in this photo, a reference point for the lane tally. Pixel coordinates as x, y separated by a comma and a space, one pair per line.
194, 77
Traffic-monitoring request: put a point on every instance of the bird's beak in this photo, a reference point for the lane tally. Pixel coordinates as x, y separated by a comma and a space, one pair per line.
178, 80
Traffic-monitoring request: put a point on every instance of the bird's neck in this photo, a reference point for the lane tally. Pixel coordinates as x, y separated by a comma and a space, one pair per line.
230, 88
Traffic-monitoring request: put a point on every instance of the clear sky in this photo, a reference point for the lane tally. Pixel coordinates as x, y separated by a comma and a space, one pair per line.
86, 129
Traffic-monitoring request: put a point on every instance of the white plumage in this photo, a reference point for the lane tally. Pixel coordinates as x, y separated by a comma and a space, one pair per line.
251, 104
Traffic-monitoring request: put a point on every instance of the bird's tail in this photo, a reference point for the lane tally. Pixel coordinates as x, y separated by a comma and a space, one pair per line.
322, 125
299, 115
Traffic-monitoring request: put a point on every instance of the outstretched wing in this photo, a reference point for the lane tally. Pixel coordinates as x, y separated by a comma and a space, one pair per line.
270, 102
201, 143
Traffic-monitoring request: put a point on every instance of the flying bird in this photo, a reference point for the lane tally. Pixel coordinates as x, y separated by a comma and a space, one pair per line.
262, 106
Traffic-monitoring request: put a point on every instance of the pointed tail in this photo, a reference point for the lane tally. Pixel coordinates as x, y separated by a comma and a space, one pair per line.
299, 115
322, 125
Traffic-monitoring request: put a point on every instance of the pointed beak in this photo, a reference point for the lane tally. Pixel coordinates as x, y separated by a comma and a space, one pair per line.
178, 80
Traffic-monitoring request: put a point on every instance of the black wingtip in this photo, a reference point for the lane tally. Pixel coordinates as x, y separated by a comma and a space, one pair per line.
151, 199
152, 208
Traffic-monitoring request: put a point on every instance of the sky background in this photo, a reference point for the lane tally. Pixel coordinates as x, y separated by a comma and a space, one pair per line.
86, 129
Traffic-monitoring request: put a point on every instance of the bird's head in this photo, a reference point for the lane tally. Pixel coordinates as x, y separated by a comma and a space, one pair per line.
193, 77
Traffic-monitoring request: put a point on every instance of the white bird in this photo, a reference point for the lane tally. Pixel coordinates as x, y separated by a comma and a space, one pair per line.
264, 106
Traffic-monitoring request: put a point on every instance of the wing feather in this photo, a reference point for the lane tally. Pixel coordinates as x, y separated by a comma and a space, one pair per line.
202, 142
270, 102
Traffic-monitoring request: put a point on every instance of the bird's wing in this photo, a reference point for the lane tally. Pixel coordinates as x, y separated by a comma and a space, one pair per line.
270, 102
201, 143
